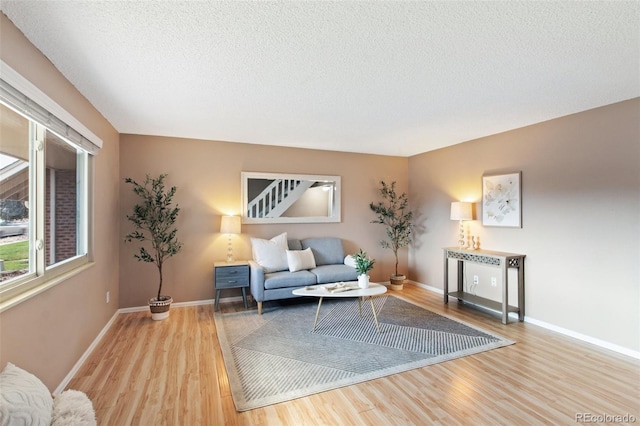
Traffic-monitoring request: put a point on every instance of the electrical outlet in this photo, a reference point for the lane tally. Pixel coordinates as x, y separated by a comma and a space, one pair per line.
476, 279
494, 282
108, 296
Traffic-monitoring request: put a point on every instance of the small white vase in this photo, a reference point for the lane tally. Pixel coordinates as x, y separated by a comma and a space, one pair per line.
363, 281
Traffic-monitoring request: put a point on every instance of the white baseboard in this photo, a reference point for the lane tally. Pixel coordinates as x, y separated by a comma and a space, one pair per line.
203, 302
179, 304
603, 344
85, 355
583, 337
427, 287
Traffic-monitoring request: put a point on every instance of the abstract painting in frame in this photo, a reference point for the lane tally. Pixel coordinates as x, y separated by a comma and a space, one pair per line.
501, 200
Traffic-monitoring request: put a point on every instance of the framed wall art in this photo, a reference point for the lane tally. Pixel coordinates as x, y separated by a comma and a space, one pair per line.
502, 200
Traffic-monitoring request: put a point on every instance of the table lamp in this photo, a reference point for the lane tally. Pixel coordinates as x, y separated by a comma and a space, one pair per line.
230, 225
461, 211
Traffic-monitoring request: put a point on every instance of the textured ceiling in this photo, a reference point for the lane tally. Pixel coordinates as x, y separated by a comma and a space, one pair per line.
395, 78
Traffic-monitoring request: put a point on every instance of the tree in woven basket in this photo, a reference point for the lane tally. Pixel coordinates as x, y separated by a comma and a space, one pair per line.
393, 212
154, 218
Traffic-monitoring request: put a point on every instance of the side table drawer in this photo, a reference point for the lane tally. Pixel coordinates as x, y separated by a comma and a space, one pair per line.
232, 276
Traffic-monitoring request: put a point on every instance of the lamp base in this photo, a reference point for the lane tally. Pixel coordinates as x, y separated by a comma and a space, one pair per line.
229, 251
462, 242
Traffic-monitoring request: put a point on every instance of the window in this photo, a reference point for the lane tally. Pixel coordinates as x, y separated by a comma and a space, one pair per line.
65, 208
15, 189
45, 189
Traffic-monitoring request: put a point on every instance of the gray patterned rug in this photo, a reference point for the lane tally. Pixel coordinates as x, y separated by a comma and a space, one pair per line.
275, 357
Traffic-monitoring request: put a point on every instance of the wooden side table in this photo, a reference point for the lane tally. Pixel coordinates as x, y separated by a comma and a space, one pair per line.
231, 275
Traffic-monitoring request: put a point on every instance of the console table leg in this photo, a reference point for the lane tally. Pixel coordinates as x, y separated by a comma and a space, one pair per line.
460, 275
446, 278
521, 292
505, 295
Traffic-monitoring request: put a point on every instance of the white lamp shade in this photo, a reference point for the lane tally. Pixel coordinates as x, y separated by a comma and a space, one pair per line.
230, 225
461, 211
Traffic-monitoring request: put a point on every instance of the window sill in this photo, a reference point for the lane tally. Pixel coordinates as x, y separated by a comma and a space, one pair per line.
12, 301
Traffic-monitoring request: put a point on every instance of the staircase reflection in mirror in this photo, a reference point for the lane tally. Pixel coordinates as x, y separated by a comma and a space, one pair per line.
289, 198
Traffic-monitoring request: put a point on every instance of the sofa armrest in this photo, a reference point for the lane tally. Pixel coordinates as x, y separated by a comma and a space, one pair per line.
257, 281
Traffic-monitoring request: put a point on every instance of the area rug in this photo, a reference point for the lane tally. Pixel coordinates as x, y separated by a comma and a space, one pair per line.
276, 357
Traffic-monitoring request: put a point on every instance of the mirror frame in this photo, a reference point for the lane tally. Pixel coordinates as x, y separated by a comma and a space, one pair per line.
334, 217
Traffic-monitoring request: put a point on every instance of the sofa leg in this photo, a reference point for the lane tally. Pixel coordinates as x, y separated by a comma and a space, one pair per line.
259, 308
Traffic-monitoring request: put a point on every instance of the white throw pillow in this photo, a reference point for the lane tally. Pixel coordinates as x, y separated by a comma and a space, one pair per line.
300, 259
349, 260
73, 408
271, 254
24, 399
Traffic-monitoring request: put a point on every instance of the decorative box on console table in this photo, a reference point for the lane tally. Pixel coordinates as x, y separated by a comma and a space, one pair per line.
495, 259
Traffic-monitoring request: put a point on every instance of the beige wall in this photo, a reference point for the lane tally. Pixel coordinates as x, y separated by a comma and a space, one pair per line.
48, 333
581, 221
207, 174
581, 190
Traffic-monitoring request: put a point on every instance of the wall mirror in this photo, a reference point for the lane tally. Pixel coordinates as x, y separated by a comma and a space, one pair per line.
289, 198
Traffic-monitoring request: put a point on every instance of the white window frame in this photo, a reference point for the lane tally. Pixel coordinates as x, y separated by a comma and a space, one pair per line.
42, 277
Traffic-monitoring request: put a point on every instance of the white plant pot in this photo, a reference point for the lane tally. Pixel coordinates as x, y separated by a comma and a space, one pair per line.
159, 317
363, 281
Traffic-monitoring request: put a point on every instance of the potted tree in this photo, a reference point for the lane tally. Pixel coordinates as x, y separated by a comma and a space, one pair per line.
153, 219
393, 212
363, 265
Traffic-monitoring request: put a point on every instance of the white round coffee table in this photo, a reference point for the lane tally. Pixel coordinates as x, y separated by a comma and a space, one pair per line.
322, 290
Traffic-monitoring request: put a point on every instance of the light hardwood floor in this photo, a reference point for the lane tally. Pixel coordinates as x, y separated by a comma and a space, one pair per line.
172, 373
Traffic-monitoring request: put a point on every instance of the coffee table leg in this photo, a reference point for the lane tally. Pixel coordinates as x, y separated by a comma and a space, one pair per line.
317, 313
375, 316
360, 306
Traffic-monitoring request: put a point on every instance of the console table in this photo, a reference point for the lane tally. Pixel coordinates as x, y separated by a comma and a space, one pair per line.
490, 258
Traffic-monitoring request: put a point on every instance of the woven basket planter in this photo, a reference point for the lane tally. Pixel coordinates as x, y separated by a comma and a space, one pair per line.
160, 308
396, 282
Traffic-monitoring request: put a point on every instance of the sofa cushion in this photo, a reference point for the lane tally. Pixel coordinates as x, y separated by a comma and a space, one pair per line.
334, 273
300, 260
24, 399
271, 254
288, 279
326, 251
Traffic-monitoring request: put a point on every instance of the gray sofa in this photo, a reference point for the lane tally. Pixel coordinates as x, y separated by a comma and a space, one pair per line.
330, 267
